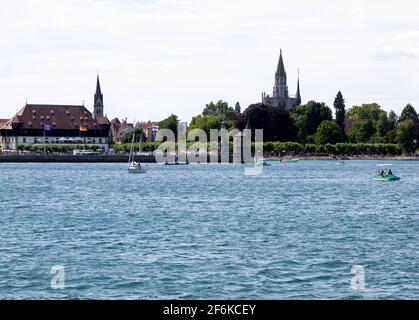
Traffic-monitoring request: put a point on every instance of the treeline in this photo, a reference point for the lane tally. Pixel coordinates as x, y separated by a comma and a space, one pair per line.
293, 148
339, 149
51, 148
270, 148
313, 124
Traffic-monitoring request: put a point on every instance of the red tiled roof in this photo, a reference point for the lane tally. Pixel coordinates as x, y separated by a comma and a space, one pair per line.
102, 120
66, 117
116, 121
147, 125
3, 122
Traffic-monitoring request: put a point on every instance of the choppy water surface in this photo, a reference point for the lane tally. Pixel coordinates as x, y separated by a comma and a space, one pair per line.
208, 231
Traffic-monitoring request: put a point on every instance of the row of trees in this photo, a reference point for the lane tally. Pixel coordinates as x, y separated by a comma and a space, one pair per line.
282, 148
56, 148
313, 123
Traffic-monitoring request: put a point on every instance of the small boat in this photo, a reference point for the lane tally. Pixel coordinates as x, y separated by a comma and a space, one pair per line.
384, 172
134, 166
260, 162
340, 163
289, 160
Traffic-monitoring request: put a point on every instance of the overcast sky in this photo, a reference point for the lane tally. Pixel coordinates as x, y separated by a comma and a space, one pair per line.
156, 57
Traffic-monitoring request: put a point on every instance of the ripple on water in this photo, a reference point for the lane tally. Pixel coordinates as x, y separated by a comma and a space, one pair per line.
208, 231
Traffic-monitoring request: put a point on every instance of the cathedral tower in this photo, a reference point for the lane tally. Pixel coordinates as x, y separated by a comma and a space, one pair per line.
281, 87
98, 105
280, 97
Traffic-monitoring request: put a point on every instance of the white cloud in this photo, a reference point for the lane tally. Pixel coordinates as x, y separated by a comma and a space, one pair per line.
161, 57
404, 45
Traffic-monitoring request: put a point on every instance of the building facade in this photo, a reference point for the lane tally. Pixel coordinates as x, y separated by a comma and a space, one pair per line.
44, 124
280, 97
150, 129
120, 129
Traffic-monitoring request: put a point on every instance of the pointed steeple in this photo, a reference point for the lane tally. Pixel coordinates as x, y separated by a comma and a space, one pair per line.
98, 91
98, 101
298, 94
281, 87
281, 69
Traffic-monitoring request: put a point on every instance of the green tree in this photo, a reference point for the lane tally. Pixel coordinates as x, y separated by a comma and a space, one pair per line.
221, 108
207, 123
383, 127
170, 123
406, 134
277, 124
392, 124
392, 120
238, 108
340, 111
362, 132
139, 135
409, 113
329, 132
309, 116
370, 111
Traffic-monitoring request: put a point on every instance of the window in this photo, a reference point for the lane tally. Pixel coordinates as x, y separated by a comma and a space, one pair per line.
24, 140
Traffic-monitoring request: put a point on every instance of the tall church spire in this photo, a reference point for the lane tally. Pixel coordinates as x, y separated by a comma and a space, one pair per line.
98, 105
280, 97
298, 94
281, 87
281, 69
98, 91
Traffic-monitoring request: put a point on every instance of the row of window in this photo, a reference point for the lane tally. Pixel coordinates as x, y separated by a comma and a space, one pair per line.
25, 140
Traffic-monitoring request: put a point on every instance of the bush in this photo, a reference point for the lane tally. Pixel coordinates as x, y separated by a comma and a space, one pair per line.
330, 148
310, 148
341, 149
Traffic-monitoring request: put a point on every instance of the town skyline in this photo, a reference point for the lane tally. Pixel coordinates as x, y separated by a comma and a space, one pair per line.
197, 53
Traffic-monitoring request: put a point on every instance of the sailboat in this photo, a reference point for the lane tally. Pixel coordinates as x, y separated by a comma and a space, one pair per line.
134, 166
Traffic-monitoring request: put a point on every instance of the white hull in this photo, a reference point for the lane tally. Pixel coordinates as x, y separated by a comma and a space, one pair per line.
137, 170
378, 179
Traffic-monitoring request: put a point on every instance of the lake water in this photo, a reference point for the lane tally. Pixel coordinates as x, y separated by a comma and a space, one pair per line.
208, 231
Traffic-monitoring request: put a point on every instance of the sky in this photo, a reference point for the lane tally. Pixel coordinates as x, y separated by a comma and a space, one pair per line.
162, 57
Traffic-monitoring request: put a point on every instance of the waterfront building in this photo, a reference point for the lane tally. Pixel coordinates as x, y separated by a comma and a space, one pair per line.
280, 97
150, 129
44, 124
120, 129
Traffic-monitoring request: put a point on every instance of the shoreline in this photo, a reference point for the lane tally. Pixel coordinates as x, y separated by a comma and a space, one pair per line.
349, 158
151, 158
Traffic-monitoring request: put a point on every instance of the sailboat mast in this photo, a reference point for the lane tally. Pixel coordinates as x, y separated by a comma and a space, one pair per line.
131, 156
